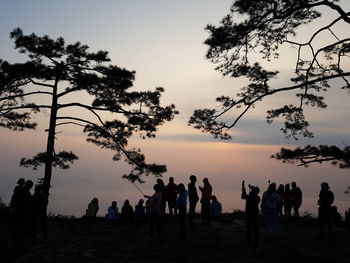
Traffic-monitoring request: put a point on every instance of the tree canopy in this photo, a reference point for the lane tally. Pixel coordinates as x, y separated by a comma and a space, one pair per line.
55, 79
255, 31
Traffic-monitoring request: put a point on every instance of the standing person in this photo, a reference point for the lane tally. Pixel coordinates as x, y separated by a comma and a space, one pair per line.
171, 194
205, 200
39, 214
154, 209
252, 214
161, 184
92, 209
127, 211
297, 197
325, 201
270, 204
280, 192
21, 203
113, 211
16, 205
17, 194
181, 205
287, 202
140, 211
192, 198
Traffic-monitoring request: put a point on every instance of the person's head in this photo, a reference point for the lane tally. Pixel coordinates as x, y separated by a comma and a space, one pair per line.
114, 203
171, 179
181, 188
28, 184
193, 178
281, 187
324, 186
214, 198
294, 184
94, 200
287, 187
126, 202
255, 190
21, 181
160, 181
205, 181
156, 188
272, 188
141, 201
38, 188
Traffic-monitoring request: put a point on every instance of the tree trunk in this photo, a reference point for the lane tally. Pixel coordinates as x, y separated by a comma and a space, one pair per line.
50, 141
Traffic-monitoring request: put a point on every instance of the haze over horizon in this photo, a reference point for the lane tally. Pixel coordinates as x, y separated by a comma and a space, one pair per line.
163, 42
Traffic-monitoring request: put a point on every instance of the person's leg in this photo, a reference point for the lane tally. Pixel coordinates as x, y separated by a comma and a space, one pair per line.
182, 221
157, 224
151, 224
34, 229
274, 222
249, 231
256, 233
170, 208
44, 226
191, 212
207, 211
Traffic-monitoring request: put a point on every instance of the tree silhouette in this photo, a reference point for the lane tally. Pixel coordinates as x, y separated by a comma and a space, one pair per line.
56, 79
254, 32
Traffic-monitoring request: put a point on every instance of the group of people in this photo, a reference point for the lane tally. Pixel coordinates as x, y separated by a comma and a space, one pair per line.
29, 209
272, 202
275, 204
127, 211
173, 196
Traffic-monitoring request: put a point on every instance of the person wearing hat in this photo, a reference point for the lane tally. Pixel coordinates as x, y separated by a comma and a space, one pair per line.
325, 201
252, 214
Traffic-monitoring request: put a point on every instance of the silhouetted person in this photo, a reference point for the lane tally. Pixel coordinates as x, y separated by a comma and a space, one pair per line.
154, 209
337, 221
215, 208
252, 214
287, 202
192, 198
347, 218
325, 201
127, 211
20, 203
113, 211
161, 184
18, 193
205, 200
181, 206
171, 194
140, 211
39, 211
280, 192
270, 205
297, 197
92, 209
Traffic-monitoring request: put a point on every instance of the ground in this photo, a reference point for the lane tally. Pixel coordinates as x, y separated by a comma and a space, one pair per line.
78, 240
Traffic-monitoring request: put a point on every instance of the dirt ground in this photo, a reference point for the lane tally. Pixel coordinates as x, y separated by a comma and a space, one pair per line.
78, 240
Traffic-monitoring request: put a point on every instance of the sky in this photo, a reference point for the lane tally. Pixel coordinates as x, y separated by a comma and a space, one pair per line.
162, 41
